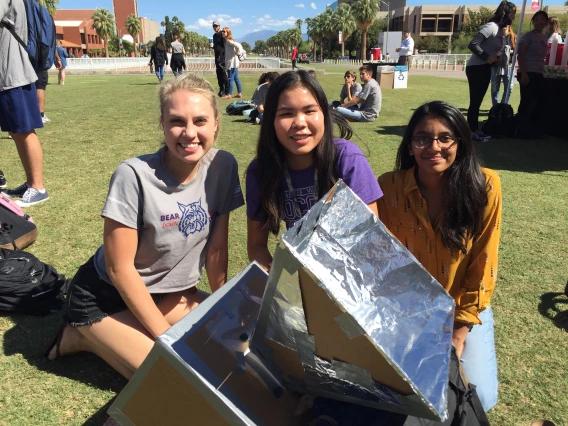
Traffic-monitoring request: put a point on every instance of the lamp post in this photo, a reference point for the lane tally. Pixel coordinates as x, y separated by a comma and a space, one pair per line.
388, 25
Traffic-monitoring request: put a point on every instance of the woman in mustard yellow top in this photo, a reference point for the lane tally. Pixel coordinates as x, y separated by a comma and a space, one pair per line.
446, 209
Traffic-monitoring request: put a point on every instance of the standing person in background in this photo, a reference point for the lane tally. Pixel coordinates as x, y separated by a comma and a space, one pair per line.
553, 30
485, 45
232, 62
294, 57
533, 47
19, 110
219, 52
406, 49
501, 71
177, 50
63, 55
159, 57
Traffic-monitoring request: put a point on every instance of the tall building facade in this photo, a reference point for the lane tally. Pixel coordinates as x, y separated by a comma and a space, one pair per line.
123, 9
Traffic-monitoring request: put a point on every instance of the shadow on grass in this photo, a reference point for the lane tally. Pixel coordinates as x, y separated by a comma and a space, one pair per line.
100, 417
525, 155
144, 84
551, 306
482, 112
29, 337
392, 130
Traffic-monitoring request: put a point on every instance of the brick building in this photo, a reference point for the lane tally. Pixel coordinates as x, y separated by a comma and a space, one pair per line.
75, 30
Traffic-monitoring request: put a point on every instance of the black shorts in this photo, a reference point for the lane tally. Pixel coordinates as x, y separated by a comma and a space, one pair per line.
42, 79
90, 298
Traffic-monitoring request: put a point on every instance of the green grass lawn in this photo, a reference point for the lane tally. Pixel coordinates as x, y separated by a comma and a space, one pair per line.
98, 121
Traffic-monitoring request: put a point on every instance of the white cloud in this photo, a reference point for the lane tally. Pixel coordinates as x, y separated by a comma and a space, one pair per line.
266, 22
224, 20
313, 6
300, 5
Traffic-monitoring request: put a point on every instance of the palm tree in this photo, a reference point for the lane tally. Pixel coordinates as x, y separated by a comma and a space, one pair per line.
345, 22
299, 37
317, 35
51, 5
327, 22
308, 24
133, 26
365, 13
103, 24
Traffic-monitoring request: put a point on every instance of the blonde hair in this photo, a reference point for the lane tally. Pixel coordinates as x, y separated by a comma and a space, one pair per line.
229, 33
192, 83
554, 25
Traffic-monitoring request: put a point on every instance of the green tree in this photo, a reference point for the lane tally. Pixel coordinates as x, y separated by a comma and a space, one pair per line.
133, 26
345, 22
260, 47
246, 46
328, 26
103, 24
476, 20
365, 13
431, 43
51, 5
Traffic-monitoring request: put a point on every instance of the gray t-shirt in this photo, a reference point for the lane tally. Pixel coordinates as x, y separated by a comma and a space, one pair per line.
492, 44
259, 97
177, 47
15, 67
174, 221
372, 99
355, 90
537, 47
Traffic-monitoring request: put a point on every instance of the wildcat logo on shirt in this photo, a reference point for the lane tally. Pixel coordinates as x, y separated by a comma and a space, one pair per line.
193, 218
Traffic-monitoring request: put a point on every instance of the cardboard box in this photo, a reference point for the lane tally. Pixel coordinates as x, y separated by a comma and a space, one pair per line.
201, 371
385, 79
350, 314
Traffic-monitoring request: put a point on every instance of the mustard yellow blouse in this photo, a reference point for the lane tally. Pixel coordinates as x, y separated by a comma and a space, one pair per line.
470, 278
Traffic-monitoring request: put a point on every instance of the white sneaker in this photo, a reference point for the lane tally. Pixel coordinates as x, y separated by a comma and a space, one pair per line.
257, 120
44, 119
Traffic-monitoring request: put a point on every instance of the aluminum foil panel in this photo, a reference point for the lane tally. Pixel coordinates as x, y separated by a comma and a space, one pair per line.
380, 295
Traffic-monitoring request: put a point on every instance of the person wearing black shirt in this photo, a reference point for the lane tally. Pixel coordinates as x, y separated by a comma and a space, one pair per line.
219, 51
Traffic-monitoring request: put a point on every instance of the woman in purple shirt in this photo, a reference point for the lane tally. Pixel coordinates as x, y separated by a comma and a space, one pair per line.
298, 160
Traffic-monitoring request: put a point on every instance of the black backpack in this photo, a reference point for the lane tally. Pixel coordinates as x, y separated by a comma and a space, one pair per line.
501, 122
27, 285
464, 405
237, 107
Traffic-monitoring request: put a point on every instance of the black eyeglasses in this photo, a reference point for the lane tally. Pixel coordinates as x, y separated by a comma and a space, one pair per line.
223, 31
444, 142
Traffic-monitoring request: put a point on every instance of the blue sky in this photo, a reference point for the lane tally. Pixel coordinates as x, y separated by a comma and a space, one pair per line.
242, 16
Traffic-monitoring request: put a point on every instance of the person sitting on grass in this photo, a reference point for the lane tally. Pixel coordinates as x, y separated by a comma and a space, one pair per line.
166, 217
453, 232
298, 160
259, 96
366, 106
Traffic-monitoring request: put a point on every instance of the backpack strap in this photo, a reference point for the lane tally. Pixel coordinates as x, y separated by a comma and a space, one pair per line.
10, 27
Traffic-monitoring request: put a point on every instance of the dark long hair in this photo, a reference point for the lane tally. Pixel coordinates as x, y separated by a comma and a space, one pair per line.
160, 43
270, 152
501, 15
465, 190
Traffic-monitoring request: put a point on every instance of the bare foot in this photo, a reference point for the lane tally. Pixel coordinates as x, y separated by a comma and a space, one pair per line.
69, 341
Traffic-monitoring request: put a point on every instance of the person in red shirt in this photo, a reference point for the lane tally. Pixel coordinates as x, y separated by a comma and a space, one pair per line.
294, 56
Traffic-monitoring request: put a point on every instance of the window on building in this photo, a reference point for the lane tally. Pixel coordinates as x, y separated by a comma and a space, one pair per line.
444, 25
83, 38
428, 26
456, 23
414, 25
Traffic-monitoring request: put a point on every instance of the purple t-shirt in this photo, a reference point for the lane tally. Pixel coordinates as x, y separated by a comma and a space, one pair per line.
352, 166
